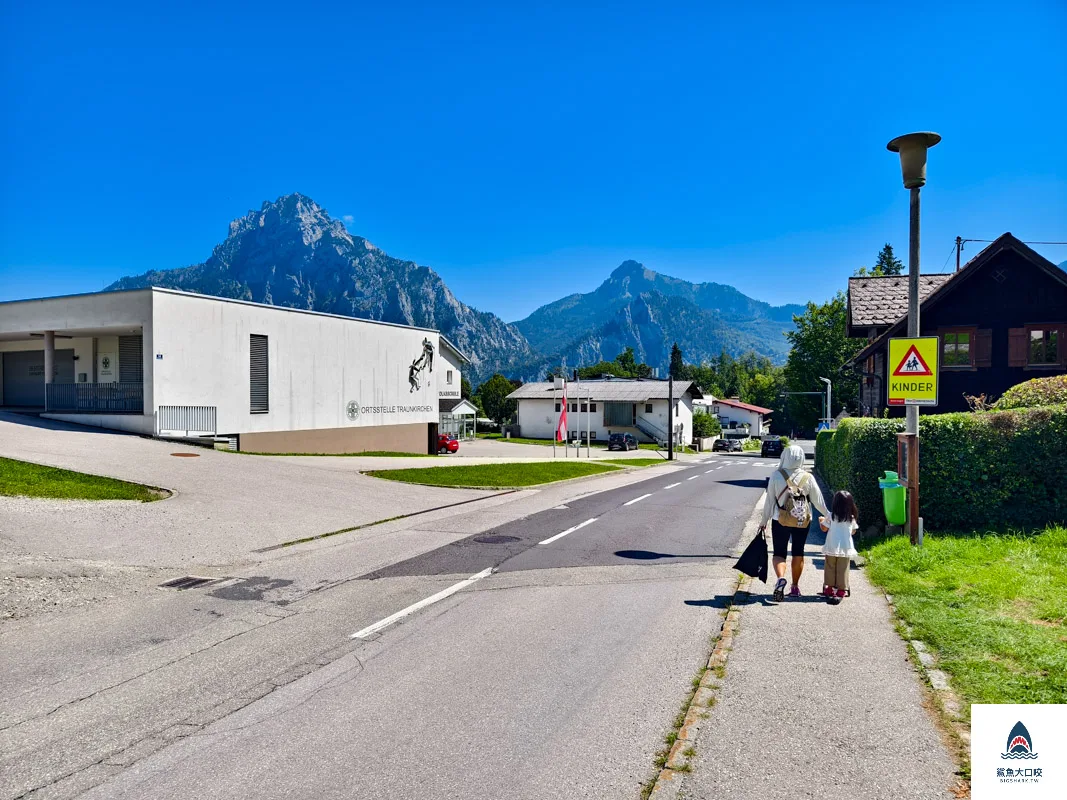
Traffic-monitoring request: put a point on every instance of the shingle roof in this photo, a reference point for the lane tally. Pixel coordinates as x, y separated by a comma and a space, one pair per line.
882, 301
621, 390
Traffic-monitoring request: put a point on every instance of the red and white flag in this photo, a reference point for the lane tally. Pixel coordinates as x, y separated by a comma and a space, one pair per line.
561, 427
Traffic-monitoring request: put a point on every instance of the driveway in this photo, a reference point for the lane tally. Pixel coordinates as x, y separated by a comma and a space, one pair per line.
225, 505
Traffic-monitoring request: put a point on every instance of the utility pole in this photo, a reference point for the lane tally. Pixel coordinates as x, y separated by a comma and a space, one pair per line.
670, 416
959, 246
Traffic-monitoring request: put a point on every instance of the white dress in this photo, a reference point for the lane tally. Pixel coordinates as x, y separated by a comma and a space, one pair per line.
839, 539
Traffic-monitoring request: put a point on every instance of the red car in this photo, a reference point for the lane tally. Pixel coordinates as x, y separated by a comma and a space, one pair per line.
447, 444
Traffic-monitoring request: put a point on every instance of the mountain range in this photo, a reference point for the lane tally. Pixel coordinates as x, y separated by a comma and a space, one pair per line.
292, 253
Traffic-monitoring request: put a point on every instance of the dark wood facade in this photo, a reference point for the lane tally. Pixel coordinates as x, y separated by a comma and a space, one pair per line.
1001, 320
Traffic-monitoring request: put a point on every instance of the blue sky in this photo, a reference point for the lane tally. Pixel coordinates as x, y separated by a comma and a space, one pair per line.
525, 151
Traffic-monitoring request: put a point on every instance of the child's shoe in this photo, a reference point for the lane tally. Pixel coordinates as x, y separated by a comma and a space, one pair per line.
795, 591
841, 594
827, 592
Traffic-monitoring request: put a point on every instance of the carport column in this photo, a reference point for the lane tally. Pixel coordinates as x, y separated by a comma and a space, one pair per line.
49, 361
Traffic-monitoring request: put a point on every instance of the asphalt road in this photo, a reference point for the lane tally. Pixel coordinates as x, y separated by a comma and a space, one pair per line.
542, 657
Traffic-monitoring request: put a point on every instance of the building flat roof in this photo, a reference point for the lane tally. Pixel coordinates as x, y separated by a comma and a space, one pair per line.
606, 391
199, 296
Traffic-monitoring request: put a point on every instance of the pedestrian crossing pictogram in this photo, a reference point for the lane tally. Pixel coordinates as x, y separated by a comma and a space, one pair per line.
912, 364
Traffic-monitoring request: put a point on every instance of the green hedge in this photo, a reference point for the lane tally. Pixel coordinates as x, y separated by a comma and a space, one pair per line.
976, 471
1036, 392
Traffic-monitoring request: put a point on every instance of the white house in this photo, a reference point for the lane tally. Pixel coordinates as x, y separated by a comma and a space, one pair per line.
738, 419
608, 406
271, 379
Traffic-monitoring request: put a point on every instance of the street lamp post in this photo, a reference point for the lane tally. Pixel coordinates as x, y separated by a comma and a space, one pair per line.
829, 409
912, 148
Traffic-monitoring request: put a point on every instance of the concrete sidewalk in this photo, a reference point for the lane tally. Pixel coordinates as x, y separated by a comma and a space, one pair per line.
819, 701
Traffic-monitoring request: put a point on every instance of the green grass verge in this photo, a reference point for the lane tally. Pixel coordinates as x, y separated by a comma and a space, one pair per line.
991, 605
494, 476
634, 462
380, 453
523, 440
35, 480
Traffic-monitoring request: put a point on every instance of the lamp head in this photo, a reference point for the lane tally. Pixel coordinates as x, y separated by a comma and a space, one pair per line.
912, 148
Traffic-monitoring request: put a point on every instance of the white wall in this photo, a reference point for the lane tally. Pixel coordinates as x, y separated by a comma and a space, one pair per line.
538, 418
728, 414
450, 361
318, 364
134, 423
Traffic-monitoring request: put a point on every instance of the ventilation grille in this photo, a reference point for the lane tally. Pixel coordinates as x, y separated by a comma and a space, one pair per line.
190, 582
131, 364
258, 374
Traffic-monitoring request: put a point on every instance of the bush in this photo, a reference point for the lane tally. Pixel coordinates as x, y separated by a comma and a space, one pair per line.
1036, 392
751, 444
705, 425
976, 471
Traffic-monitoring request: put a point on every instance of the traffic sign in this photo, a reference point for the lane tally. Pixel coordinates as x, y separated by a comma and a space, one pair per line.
913, 371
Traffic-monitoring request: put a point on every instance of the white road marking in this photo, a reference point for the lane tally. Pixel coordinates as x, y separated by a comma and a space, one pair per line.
399, 615
693, 478
636, 500
559, 508
551, 539
709, 471
672, 485
720, 467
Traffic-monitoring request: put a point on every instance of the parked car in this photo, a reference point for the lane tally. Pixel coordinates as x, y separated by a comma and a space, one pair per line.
447, 444
727, 445
771, 448
622, 441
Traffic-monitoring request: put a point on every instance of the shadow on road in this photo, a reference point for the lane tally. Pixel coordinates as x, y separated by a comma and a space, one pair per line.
648, 555
748, 483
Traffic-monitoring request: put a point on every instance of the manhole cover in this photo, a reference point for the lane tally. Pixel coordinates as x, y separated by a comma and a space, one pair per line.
186, 455
495, 539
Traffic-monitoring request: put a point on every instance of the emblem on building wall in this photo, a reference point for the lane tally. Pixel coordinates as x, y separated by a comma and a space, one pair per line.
352, 410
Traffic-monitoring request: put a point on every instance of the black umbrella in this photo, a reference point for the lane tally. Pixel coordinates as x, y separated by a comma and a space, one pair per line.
753, 561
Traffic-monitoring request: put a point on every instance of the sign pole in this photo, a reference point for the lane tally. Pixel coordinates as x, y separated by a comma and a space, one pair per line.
912, 422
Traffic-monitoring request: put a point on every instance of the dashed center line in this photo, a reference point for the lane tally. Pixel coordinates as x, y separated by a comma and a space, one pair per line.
636, 500
710, 471
399, 615
551, 539
693, 478
673, 485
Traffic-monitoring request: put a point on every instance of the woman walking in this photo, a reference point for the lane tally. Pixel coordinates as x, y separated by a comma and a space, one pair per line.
791, 492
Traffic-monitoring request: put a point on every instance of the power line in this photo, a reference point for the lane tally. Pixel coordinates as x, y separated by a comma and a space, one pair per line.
950, 252
990, 241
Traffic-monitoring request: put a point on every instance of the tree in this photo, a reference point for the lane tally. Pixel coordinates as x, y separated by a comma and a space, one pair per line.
493, 396
888, 264
627, 361
464, 388
820, 347
706, 424
677, 364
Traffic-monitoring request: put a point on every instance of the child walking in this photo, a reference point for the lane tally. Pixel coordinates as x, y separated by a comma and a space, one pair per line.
838, 549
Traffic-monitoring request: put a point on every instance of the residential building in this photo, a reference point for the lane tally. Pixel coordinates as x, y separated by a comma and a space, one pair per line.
739, 420
604, 407
268, 379
1001, 320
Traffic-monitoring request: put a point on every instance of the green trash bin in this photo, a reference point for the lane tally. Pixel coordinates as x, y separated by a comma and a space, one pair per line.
894, 498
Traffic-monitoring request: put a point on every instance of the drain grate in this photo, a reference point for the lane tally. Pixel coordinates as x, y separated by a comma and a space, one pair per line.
186, 455
495, 539
189, 582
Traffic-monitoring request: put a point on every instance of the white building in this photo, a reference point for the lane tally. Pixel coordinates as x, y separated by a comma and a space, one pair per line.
170, 363
604, 407
738, 420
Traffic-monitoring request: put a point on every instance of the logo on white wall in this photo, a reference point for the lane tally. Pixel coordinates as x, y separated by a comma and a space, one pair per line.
105, 362
352, 410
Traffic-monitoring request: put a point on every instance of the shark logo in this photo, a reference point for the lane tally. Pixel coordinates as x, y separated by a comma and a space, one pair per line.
1020, 745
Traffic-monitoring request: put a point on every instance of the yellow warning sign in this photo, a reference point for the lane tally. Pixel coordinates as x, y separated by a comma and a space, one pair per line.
913, 367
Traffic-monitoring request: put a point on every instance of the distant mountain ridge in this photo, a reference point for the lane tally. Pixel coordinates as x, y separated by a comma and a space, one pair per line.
637, 307
292, 253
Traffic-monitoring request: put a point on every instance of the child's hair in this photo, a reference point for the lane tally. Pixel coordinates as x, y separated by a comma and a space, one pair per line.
844, 509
